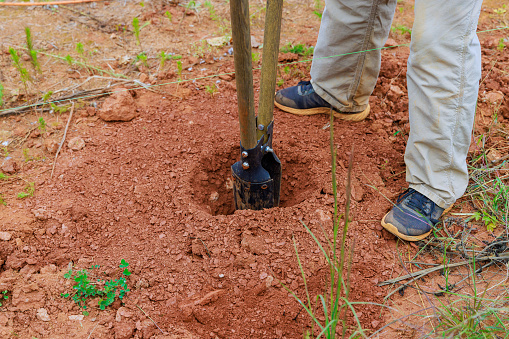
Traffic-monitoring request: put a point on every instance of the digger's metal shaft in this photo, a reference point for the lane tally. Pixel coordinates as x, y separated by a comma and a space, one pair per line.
271, 39
239, 11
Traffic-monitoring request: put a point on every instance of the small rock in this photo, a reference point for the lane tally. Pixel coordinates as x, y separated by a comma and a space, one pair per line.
9, 166
390, 43
76, 143
143, 78
51, 146
77, 317
35, 133
123, 312
394, 93
40, 214
5, 236
495, 97
375, 323
91, 111
214, 196
119, 107
42, 314
124, 330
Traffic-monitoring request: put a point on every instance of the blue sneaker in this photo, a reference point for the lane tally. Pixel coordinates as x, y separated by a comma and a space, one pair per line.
413, 216
303, 100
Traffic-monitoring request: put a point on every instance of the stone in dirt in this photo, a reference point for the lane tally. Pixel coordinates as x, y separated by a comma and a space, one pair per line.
494, 97
76, 144
124, 330
9, 166
42, 314
5, 236
40, 214
118, 107
77, 317
51, 146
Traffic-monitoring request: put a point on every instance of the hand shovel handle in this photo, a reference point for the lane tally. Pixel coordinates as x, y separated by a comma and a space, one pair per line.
239, 12
269, 64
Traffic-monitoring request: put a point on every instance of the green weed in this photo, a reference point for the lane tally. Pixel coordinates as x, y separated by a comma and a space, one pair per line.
3, 296
31, 52
501, 44
142, 57
255, 57
163, 57
3, 176
212, 11
69, 60
46, 96
280, 82
136, 27
3, 202
42, 125
168, 15
299, 49
26, 154
334, 304
59, 109
501, 10
179, 71
29, 190
211, 89
402, 29
88, 287
23, 73
318, 9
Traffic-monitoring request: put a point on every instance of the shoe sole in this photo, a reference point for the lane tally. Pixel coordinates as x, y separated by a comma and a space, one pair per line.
325, 110
394, 230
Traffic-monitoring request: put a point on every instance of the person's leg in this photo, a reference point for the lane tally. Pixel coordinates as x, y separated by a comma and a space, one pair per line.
444, 69
443, 75
341, 76
351, 26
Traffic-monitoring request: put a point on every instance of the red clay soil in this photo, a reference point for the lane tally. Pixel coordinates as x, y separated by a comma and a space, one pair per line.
156, 192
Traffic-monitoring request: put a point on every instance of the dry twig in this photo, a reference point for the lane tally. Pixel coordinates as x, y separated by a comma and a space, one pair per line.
63, 139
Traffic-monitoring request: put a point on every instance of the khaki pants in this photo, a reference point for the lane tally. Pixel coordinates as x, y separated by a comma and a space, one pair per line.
443, 75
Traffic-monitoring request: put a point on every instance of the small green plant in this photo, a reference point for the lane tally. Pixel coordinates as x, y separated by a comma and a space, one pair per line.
490, 221
59, 109
31, 51
212, 11
46, 96
280, 82
142, 57
211, 89
26, 154
3, 296
42, 125
286, 69
23, 73
299, 49
168, 15
500, 10
5, 151
163, 57
29, 190
3, 202
402, 29
136, 27
179, 70
318, 9
69, 60
3, 176
1, 94
106, 290
255, 57
501, 44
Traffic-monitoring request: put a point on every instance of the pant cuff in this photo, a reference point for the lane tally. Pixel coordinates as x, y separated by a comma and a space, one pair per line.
423, 189
336, 104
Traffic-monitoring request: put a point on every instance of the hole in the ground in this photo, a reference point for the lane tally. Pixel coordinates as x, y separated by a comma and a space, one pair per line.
212, 181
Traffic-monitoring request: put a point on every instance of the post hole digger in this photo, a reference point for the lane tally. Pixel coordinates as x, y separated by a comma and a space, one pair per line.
257, 175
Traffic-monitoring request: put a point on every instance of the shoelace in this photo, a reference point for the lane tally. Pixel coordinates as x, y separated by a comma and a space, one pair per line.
419, 203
